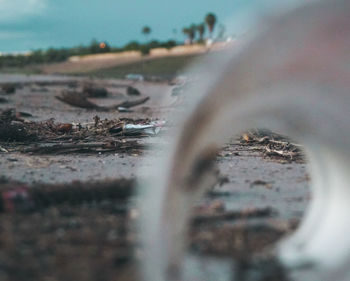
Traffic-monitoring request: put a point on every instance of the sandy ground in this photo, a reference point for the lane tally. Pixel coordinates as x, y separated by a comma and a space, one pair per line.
81, 242
84, 64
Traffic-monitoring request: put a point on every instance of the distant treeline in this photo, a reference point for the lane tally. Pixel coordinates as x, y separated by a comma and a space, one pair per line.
58, 55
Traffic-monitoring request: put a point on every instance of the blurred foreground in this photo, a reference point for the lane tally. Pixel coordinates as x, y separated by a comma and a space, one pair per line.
65, 212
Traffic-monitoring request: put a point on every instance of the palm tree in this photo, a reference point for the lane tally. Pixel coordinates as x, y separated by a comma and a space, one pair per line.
210, 20
146, 30
201, 30
193, 31
190, 32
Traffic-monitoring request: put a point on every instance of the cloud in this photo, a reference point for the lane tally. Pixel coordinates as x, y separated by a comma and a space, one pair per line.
17, 10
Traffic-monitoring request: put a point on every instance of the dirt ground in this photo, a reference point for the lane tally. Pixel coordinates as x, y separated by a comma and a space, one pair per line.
74, 220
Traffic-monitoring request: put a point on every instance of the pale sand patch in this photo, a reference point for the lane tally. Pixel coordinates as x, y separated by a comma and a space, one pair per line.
85, 64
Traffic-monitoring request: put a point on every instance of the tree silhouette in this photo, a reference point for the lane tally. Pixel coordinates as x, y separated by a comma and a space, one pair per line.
201, 30
146, 30
193, 31
210, 20
190, 32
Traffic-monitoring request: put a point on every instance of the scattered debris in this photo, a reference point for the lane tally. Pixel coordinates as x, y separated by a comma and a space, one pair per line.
216, 206
284, 150
261, 182
273, 145
223, 180
13, 128
124, 109
238, 242
98, 136
64, 128
15, 131
3, 149
86, 218
233, 215
152, 128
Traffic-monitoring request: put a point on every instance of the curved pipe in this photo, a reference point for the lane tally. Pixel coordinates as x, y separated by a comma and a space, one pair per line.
292, 79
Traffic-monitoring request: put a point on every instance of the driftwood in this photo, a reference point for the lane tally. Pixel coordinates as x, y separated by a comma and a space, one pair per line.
80, 100
77, 99
95, 92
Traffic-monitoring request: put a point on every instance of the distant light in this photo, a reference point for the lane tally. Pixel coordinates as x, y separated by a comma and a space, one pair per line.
102, 45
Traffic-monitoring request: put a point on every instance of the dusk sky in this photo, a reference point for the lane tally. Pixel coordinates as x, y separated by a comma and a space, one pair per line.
34, 24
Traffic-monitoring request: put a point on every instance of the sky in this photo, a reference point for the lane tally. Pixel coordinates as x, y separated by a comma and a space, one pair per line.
38, 24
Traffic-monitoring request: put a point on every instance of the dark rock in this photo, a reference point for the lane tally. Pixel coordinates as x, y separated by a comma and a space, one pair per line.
131, 91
